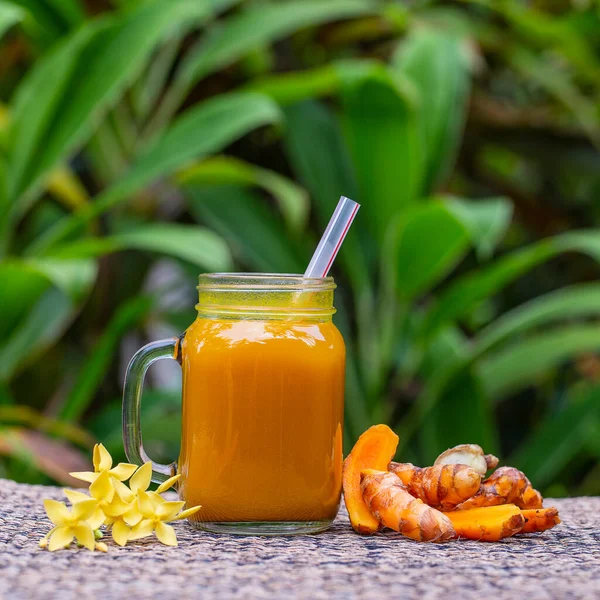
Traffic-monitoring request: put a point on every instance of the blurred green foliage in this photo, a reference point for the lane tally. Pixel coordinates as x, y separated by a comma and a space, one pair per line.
143, 141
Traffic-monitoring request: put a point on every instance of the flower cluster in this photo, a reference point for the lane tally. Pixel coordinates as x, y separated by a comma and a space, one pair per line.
128, 512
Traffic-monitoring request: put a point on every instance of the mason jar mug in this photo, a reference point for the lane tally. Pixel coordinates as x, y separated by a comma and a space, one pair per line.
263, 402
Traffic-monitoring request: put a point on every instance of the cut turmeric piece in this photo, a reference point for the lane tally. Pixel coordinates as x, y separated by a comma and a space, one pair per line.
506, 485
540, 519
388, 500
441, 486
488, 524
373, 450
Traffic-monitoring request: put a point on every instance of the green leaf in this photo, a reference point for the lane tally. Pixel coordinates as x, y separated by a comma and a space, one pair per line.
43, 324
42, 21
37, 101
38, 300
446, 348
67, 94
260, 25
196, 245
59, 14
559, 438
200, 131
464, 412
521, 363
10, 15
319, 157
381, 131
550, 34
559, 84
255, 234
566, 303
427, 245
94, 368
320, 160
486, 219
438, 65
440, 369
72, 277
463, 295
292, 199
296, 86
21, 287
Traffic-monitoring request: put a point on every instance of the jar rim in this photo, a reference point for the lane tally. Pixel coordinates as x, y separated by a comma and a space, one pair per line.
263, 281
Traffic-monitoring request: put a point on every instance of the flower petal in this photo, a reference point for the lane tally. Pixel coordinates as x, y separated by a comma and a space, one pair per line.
57, 512
123, 491
141, 479
167, 510
184, 514
116, 508
98, 517
84, 535
83, 510
73, 496
169, 483
61, 537
142, 529
84, 476
166, 534
102, 488
102, 459
156, 498
145, 504
120, 532
123, 471
133, 516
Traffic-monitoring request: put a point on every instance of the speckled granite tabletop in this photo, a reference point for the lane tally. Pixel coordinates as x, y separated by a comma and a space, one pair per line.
563, 563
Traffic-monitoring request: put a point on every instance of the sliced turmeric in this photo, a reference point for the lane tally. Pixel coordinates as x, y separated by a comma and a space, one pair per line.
488, 524
506, 485
373, 450
441, 486
394, 507
540, 520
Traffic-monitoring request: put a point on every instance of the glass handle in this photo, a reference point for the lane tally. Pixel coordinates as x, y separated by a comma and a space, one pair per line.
132, 401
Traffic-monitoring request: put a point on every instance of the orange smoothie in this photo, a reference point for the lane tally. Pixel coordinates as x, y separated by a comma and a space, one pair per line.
262, 419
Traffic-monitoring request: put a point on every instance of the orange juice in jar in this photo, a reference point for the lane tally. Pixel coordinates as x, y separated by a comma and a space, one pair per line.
263, 395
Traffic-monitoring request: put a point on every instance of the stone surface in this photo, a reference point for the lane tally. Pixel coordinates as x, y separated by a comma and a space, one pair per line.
563, 563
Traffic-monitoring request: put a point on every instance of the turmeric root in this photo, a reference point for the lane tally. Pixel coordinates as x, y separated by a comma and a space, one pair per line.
491, 461
506, 485
468, 454
531, 498
441, 486
488, 524
394, 507
539, 520
373, 450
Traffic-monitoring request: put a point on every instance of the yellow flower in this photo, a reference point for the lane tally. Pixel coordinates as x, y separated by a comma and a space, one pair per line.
101, 546
110, 505
157, 512
76, 523
103, 463
139, 483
